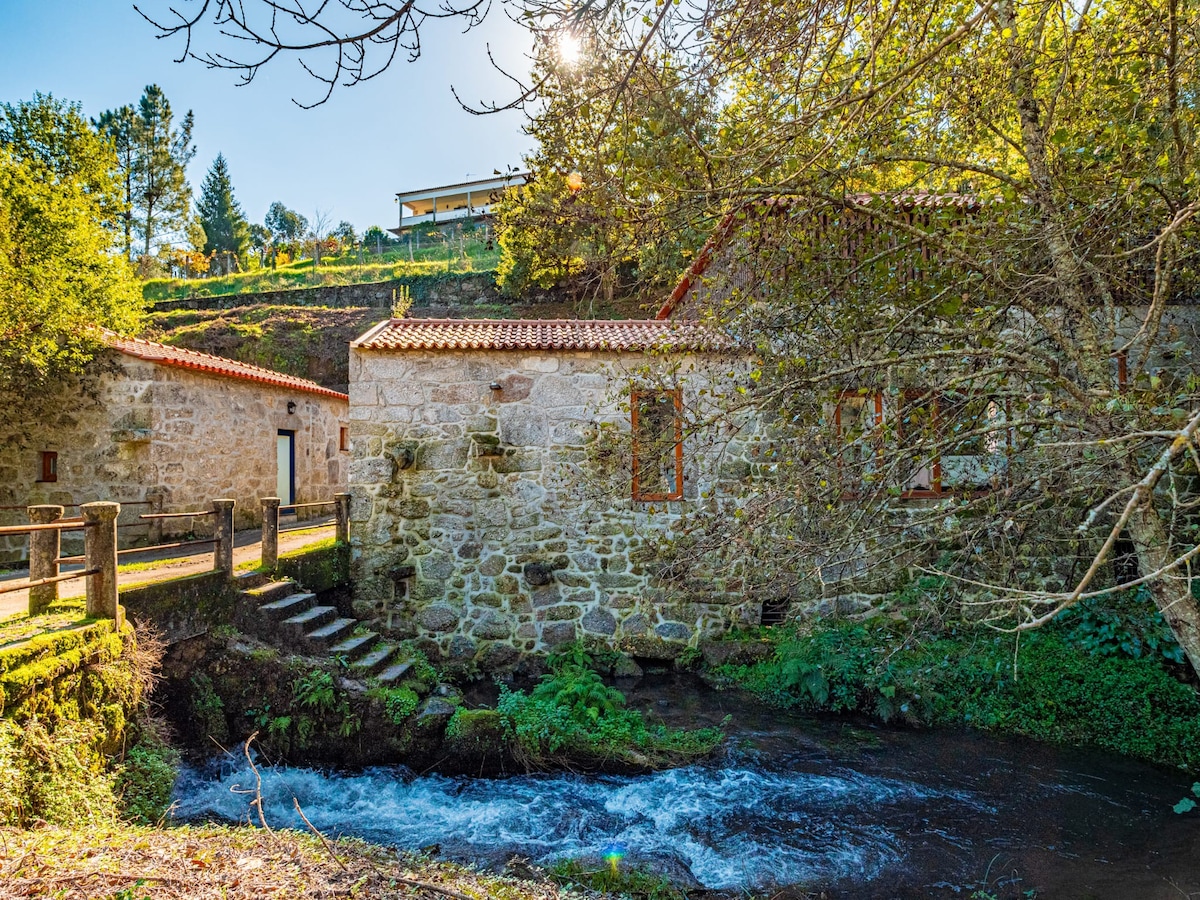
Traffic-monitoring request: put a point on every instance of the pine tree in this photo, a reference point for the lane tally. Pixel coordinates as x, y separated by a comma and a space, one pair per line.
161, 194
120, 126
225, 227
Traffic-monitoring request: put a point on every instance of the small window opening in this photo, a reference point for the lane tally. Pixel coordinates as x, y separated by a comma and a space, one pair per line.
657, 445
343, 438
49, 465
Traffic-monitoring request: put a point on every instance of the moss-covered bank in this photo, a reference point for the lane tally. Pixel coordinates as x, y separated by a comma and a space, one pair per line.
75, 742
225, 687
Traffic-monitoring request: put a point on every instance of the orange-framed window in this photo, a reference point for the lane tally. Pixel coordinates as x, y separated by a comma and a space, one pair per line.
968, 445
657, 444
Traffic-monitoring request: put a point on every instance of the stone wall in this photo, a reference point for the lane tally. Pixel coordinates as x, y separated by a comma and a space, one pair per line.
141, 432
489, 523
436, 294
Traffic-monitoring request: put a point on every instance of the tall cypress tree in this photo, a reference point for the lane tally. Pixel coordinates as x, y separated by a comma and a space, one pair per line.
225, 227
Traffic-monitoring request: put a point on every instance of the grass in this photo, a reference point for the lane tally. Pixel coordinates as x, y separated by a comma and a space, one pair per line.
234, 862
339, 270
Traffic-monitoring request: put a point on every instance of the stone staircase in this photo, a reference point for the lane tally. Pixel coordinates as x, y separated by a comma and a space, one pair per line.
290, 617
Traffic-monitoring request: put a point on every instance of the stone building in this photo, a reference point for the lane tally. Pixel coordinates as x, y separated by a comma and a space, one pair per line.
161, 427
509, 476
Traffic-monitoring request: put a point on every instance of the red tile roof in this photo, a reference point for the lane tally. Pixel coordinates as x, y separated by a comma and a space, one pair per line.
902, 201
627, 335
214, 365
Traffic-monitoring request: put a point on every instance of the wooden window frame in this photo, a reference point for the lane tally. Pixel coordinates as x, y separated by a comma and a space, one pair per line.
676, 395
49, 467
343, 437
937, 489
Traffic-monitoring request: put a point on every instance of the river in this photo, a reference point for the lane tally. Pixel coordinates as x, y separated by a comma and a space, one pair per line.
846, 806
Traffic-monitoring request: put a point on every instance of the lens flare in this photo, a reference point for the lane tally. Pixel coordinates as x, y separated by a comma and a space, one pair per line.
614, 853
570, 48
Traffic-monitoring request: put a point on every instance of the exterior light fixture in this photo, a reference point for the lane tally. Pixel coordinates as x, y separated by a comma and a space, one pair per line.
496, 386
291, 407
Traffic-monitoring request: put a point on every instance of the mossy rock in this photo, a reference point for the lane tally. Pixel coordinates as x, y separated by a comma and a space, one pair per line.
475, 731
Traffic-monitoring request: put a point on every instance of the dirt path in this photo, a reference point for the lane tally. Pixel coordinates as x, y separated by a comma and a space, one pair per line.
247, 547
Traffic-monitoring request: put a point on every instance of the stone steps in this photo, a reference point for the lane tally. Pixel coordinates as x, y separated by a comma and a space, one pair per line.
375, 661
291, 617
330, 634
353, 647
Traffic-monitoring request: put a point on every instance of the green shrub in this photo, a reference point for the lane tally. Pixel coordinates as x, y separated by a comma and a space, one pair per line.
572, 714
146, 778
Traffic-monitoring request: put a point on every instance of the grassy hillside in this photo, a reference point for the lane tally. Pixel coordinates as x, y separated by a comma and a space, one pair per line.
308, 341
348, 268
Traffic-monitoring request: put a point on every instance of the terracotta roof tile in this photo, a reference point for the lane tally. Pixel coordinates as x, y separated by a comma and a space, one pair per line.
214, 365
627, 335
904, 200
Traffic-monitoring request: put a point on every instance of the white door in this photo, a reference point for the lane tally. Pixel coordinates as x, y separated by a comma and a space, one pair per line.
285, 467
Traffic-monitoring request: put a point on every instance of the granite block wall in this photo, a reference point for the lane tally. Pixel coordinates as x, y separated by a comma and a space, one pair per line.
490, 522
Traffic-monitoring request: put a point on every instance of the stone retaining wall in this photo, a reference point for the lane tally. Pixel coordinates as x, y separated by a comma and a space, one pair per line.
430, 294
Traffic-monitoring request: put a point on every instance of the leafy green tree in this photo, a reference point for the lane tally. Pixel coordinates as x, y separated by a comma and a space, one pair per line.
592, 214
285, 225
345, 234
161, 193
120, 126
225, 228
60, 281
53, 135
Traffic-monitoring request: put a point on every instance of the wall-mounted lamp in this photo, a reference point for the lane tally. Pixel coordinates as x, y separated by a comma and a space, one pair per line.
291, 407
496, 386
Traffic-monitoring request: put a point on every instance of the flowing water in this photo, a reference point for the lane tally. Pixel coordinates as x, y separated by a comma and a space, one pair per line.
855, 809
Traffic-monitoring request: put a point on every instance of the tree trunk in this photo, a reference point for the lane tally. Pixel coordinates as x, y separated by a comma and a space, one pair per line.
1172, 592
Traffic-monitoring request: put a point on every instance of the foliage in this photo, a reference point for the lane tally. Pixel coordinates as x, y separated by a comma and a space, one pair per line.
152, 155
146, 778
1054, 685
398, 702
572, 714
54, 774
59, 284
610, 230
1187, 804
225, 228
607, 879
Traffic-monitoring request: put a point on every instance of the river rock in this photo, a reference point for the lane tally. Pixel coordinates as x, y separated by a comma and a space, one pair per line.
735, 653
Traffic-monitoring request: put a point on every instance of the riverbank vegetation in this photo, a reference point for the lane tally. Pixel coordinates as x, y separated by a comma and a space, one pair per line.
1108, 674
573, 717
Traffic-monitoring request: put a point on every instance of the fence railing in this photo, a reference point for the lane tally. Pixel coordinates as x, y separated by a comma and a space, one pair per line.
98, 522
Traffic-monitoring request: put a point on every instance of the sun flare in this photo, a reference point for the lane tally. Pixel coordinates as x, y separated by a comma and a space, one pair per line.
569, 48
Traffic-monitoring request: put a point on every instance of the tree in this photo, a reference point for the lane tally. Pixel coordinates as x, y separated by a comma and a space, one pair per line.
225, 228
285, 225
944, 224
161, 194
345, 234
60, 282
54, 136
120, 126
260, 240
319, 233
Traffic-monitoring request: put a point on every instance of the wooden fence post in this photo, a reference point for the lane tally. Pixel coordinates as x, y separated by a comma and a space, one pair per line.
342, 510
223, 536
44, 549
100, 554
270, 532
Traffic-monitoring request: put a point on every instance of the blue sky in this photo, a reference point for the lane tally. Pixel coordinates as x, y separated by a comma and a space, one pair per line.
401, 131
